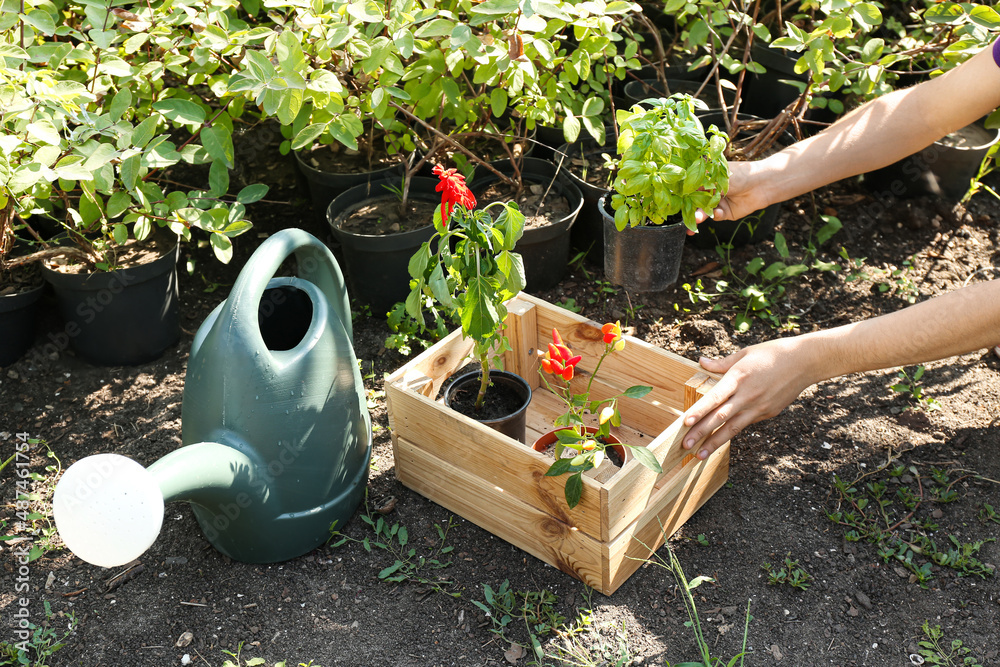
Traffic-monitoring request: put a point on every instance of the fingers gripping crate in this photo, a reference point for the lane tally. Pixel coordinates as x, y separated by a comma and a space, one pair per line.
500, 484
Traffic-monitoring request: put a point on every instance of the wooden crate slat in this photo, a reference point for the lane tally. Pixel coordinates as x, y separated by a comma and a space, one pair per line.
521, 329
495, 458
694, 484
501, 513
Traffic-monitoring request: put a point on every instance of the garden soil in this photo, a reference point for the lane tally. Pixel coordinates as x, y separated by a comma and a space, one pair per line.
185, 603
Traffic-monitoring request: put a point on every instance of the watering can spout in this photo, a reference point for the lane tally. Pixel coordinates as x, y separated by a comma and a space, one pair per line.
274, 418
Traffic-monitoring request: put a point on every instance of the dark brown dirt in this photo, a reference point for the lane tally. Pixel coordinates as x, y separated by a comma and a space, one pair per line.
377, 217
540, 205
330, 607
336, 159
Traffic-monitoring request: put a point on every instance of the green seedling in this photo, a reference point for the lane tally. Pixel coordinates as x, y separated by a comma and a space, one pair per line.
910, 387
43, 642
934, 653
570, 304
34, 506
987, 513
534, 609
409, 334
408, 565
891, 280
790, 573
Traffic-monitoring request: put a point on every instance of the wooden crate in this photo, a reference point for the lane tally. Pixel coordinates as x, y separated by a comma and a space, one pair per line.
500, 484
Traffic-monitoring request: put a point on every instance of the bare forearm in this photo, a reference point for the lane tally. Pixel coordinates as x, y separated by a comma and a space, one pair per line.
956, 323
883, 131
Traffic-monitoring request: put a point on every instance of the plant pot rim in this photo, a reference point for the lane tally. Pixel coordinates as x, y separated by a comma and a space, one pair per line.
604, 204
494, 372
137, 273
305, 166
563, 183
336, 223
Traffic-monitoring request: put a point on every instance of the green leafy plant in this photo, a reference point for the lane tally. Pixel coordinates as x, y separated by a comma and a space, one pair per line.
408, 565
34, 505
669, 163
42, 644
893, 523
589, 443
987, 513
934, 653
789, 573
536, 610
909, 386
474, 280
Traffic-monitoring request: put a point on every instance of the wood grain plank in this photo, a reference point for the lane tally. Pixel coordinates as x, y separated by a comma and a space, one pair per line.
521, 330
502, 513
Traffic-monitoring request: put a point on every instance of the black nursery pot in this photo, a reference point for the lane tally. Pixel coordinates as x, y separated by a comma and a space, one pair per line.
588, 230
545, 250
124, 317
18, 315
636, 91
641, 259
325, 186
377, 265
504, 386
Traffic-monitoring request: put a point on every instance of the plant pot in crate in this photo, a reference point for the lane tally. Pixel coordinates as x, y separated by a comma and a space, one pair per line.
18, 315
944, 168
547, 441
508, 397
646, 258
375, 258
123, 317
499, 484
544, 248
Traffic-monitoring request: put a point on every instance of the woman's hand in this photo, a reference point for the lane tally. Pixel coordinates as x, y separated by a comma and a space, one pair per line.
759, 382
745, 195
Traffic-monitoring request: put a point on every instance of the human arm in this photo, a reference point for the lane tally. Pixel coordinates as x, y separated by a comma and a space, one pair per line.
876, 134
761, 380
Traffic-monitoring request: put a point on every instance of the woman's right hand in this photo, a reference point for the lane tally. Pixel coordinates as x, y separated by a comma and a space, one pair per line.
745, 195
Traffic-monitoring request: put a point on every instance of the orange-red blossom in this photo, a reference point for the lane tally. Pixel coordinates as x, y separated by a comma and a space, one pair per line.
613, 335
558, 360
453, 191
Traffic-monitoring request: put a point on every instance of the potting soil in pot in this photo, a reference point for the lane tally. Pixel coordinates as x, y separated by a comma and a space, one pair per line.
381, 216
500, 402
539, 209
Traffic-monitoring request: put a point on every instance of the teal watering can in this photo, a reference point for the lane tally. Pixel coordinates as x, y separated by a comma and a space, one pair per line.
274, 418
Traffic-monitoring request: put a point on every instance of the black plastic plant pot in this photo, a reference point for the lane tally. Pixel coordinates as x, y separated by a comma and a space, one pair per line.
123, 317
325, 186
766, 94
545, 250
516, 393
636, 91
641, 259
588, 230
18, 315
377, 265
944, 168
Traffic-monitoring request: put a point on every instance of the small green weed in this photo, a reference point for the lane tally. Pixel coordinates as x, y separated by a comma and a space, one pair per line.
407, 333
755, 293
987, 513
34, 505
791, 573
869, 512
673, 565
935, 654
603, 289
535, 609
408, 565
910, 387
892, 280
40, 646
570, 304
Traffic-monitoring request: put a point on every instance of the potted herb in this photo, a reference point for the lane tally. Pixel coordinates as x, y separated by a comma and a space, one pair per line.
588, 446
470, 268
669, 166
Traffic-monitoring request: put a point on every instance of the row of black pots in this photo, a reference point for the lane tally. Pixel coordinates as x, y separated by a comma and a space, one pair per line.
377, 265
123, 317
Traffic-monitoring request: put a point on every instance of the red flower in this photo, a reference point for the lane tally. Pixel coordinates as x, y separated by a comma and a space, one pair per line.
559, 360
453, 191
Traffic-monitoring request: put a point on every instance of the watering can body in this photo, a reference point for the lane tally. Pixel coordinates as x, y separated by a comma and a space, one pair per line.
274, 411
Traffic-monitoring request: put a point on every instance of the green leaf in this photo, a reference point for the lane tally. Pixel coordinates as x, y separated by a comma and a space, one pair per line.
755, 265
119, 233
223, 247
646, 458
391, 569
479, 315
574, 489
218, 178
496, 7
218, 141
637, 391
118, 203
781, 245
40, 20
180, 111
594, 106
308, 135
498, 101
571, 128
252, 193
698, 581
868, 14
419, 261
129, 170
832, 226
985, 16
101, 156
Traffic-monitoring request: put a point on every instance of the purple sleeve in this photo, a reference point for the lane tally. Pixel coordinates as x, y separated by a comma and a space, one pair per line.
996, 52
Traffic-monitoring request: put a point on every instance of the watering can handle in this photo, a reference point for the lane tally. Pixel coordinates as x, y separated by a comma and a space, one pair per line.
316, 265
